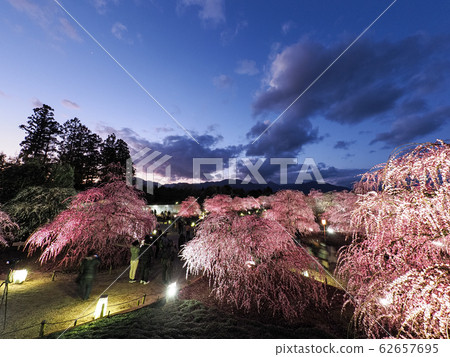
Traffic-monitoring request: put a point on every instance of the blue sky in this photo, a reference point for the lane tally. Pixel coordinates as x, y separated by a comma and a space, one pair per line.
226, 69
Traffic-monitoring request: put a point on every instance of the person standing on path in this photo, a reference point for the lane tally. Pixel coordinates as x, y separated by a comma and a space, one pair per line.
167, 257
145, 260
134, 260
88, 271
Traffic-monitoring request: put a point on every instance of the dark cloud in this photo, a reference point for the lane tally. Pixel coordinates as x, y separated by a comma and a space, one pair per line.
181, 148
372, 81
345, 145
69, 104
340, 177
284, 138
409, 128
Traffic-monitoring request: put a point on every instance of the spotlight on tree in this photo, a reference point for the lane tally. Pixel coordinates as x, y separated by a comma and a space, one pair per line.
101, 307
18, 276
171, 291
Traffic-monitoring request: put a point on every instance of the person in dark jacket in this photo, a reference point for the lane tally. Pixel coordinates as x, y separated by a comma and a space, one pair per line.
167, 253
88, 271
145, 260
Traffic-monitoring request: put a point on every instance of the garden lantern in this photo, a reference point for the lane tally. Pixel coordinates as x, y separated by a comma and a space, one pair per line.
101, 307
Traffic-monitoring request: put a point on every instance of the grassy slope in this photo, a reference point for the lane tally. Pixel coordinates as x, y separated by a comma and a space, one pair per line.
186, 319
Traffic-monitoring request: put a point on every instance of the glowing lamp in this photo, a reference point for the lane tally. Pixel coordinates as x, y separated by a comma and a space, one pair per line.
102, 305
171, 290
170, 221
305, 273
155, 232
241, 214
330, 230
386, 301
193, 224
18, 276
250, 263
324, 222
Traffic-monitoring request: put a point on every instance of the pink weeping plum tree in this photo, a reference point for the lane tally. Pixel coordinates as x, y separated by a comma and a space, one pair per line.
338, 211
415, 305
105, 219
253, 262
189, 208
7, 229
290, 210
402, 212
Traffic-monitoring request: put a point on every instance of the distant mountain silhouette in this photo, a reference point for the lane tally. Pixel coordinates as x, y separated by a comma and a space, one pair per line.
304, 187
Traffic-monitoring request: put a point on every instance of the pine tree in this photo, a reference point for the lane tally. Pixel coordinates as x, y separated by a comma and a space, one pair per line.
114, 151
41, 138
80, 149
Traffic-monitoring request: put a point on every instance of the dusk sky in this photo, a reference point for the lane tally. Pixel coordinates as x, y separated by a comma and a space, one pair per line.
225, 70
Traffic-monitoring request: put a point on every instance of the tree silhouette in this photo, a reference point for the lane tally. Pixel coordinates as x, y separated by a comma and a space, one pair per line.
41, 138
114, 151
80, 148
104, 218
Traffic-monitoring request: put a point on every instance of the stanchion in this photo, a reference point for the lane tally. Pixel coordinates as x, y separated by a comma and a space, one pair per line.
143, 299
41, 331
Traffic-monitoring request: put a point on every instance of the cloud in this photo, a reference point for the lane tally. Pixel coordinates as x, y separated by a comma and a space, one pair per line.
222, 81
182, 149
164, 130
227, 36
344, 145
374, 81
67, 28
33, 10
211, 11
102, 5
409, 128
36, 103
46, 16
340, 177
288, 26
247, 67
69, 104
118, 30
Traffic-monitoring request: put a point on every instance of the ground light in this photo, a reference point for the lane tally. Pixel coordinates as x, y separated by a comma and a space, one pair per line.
171, 291
18, 276
101, 307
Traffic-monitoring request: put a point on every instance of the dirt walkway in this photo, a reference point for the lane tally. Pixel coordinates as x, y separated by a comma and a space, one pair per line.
39, 298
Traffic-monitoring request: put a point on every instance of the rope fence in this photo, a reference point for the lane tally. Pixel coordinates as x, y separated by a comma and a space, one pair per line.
43, 323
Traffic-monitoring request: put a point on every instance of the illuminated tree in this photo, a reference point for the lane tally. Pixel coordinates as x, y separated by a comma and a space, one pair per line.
290, 209
402, 212
253, 263
105, 219
338, 210
7, 229
189, 208
218, 204
415, 305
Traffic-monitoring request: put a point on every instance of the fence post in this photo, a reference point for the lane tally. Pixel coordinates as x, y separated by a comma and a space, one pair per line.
75, 323
143, 299
54, 275
41, 331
